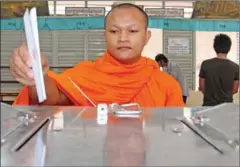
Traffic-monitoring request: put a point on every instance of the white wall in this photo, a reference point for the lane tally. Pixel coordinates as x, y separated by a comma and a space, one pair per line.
155, 45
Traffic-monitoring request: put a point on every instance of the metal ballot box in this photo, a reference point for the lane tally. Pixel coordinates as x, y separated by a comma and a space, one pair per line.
71, 136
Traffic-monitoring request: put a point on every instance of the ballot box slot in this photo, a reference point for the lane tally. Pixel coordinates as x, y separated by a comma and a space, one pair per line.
218, 135
9, 120
11, 132
201, 135
30, 135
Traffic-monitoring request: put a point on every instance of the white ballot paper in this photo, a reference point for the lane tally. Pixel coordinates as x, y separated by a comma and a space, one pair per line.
31, 31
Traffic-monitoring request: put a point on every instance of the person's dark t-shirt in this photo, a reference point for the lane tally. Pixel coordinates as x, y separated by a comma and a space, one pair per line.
219, 75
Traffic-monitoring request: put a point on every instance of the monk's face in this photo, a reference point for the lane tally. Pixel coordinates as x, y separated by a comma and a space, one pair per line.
126, 34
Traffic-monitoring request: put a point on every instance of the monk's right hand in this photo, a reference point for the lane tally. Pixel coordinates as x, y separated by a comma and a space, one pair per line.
21, 65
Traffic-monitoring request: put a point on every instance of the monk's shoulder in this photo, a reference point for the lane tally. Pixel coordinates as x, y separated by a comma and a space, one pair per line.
84, 64
165, 79
80, 67
150, 61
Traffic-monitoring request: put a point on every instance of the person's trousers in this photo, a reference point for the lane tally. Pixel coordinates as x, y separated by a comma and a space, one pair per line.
184, 99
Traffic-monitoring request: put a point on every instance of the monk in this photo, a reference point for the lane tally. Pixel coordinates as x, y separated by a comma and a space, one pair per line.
121, 75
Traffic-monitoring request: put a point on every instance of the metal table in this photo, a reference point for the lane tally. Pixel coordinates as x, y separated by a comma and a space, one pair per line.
70, 136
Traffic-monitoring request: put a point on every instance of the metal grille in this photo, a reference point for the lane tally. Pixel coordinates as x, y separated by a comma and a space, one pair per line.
70, 47
96, 44
9, 41
184, 57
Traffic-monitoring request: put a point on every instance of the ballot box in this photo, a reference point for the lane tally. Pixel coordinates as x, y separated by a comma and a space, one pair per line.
71, 136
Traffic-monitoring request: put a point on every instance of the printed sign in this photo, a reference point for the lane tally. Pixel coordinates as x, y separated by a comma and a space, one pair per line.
178, 46
85, 11
163, 12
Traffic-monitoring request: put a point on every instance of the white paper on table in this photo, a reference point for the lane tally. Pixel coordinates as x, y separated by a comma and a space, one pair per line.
31, 31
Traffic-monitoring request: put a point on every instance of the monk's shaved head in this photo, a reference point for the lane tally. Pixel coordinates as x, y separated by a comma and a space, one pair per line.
127, 5
126, 32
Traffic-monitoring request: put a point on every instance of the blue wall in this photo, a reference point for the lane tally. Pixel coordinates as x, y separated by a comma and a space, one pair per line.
75, 23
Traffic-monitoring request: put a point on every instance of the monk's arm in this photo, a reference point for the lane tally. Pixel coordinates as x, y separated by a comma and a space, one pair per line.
174, 97
202, 75
236, 80
54, 95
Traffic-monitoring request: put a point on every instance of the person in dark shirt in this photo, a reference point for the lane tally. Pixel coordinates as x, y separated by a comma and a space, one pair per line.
219, 76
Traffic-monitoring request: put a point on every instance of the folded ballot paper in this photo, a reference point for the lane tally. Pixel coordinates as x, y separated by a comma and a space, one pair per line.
31, 31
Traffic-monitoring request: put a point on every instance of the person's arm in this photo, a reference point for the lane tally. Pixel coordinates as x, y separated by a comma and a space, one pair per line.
21, 69
54, 96
236, 81
235, 86
202, 78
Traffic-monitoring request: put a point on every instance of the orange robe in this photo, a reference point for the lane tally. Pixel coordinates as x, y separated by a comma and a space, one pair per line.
108, 81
